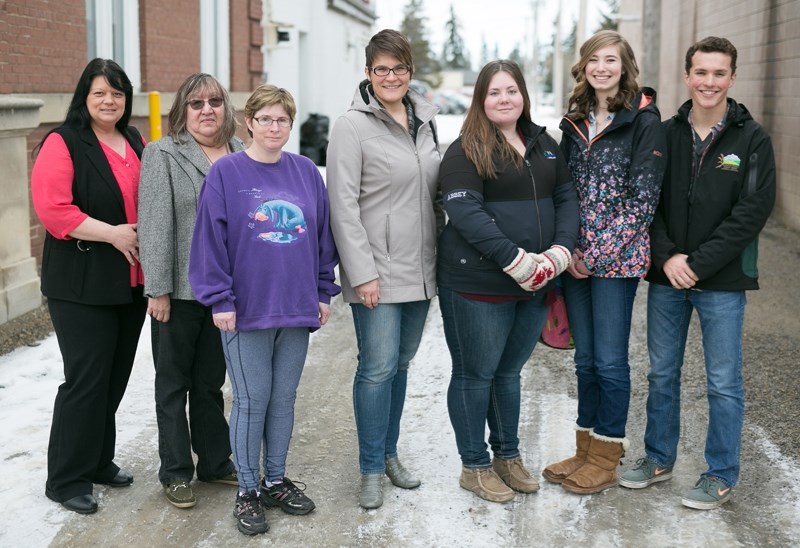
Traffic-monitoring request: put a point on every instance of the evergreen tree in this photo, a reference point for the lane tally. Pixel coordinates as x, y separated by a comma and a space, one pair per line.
454, 54
516, 56
425, 63
609, 20
484, 51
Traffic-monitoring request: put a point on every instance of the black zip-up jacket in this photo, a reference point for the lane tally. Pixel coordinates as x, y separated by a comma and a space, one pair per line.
715, 218
488, 219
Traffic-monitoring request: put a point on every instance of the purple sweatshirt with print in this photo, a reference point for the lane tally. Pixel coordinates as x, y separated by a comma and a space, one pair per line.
262, 244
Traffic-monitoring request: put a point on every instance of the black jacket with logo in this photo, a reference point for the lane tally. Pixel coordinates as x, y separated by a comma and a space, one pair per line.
716, 217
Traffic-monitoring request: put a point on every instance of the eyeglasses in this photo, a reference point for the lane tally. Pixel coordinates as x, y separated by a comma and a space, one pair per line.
399, 70
198, 104
266, 121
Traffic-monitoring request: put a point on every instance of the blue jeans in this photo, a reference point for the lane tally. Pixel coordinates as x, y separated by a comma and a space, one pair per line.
264, 367
388, 337
721, 316
489, 344
599, 311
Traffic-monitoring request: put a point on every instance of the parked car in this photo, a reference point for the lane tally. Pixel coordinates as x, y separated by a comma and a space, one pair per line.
422, 88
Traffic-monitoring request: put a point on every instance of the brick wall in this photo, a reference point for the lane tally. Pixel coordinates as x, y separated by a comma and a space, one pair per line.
247, 61
38, 41
169, 42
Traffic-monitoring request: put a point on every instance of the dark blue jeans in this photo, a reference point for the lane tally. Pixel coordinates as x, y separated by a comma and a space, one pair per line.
187, 354
599, 311
388, 337
489, 344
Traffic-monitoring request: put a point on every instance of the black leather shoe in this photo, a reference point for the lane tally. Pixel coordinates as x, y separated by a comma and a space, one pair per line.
122, 479
83, 504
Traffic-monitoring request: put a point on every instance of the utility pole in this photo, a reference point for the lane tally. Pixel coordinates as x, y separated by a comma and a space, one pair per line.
558, 67
535, 63
651, 28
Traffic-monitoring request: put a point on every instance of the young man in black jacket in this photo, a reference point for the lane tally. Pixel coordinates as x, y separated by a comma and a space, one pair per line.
718, 191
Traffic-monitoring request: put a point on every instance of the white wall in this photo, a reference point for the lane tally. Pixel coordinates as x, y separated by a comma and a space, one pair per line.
323, 61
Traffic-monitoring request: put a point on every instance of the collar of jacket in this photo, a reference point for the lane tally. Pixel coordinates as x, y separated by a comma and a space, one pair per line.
365, 101
737, 113
645, 100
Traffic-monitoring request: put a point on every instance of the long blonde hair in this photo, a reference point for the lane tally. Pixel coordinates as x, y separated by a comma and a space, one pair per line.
583, 100
480, 137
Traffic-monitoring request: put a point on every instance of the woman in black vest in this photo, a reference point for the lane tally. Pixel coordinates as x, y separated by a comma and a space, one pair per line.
84, 187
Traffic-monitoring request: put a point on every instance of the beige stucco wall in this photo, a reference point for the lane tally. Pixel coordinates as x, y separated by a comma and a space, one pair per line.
766, 34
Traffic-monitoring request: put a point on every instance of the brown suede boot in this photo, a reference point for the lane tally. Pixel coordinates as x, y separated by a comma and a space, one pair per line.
559, 471
600, 470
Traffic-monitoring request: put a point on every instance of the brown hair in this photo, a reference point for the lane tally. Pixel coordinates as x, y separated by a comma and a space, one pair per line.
712, 44
195, 85
389, 42
583, 100
267, 95
481, 138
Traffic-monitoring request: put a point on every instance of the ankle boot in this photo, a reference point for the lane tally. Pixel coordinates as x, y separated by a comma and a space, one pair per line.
485, 483
399, 475
514, 474
371, 491
559, 471
600, 470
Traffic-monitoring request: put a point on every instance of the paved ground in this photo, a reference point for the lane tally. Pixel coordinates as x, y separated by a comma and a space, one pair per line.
765, 510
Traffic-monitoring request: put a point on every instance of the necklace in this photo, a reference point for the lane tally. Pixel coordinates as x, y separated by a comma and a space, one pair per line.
217, 157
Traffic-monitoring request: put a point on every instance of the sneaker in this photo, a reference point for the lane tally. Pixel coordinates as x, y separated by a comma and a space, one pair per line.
646, 472
289, 497
708, 493
180, 494
485, 483
228, 479
249, 514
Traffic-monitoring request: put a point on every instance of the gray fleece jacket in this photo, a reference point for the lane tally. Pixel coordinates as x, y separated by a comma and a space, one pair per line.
385, 206
169, 184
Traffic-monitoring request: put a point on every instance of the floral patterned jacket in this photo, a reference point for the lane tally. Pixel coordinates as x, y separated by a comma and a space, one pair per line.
618, 176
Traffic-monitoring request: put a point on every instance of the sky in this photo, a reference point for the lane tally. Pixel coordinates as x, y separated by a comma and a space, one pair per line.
506, 23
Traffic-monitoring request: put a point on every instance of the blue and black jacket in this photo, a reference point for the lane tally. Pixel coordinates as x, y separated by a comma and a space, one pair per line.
488, 219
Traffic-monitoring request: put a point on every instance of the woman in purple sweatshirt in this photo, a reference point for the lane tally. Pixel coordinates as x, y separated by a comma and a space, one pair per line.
263, 258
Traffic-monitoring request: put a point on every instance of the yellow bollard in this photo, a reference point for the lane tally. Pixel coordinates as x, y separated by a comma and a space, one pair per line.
155, 115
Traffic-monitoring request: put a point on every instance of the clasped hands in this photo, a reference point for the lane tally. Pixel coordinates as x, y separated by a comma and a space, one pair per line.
532, 271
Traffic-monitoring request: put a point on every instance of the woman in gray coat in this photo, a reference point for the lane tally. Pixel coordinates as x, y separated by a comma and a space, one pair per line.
383, 162
187, 350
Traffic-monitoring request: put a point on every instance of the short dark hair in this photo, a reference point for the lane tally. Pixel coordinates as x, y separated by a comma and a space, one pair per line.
712, 44
389, 42
194, 85
78, 112
267, 95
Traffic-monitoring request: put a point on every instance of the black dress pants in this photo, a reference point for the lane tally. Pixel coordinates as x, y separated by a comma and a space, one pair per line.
187, 353
98, 345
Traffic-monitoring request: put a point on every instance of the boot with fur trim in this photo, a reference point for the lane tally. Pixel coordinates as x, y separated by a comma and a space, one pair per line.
559, 471
600, 470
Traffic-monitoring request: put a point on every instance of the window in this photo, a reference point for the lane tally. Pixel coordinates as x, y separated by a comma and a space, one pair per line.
112, 32
215, 46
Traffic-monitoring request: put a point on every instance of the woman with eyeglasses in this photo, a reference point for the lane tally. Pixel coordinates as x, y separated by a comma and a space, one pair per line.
84, 186
383, 159
187, 351
262, 257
